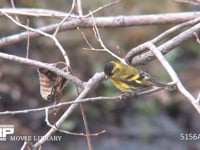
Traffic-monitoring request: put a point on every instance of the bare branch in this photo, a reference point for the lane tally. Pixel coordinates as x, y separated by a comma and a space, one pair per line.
58, 129
175, 28
141, 48
25, 145
189, 2
164, 48
68, 132
36, 12
173, 75
42, 65
65, 18
90, 85
92, 99
102, 7
84, 100
197, 37
117, 21
13, 6
57, 43
71, 22
85, 39
79, 7
98, 37
28, 41
198, 98
87, 131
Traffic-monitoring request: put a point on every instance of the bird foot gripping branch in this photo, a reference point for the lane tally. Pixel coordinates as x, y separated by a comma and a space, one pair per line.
126, 96
136, 93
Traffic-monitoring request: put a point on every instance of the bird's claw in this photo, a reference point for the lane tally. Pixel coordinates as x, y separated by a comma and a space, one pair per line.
125, 96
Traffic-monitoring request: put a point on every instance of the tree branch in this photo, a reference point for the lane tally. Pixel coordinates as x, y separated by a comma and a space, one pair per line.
90, 86
173, 76
117, 21
43, 65
164, 48
35, 12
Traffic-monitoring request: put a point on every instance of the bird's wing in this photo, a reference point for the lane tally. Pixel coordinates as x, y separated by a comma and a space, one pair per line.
151, 80
134, 80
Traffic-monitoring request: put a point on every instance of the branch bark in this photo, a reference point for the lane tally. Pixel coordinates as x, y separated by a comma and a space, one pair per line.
164, 48
90, 86
35, 63
101, 22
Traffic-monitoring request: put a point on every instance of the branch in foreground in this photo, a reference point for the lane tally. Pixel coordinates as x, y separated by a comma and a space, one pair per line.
42, 65
35, 12
68, 132
57, 43
192, 2
174, 76
140, 49
164, 48
83, 100
102, 22
90, 85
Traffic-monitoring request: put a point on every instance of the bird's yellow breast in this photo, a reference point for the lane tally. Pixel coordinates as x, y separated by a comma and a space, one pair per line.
122, 86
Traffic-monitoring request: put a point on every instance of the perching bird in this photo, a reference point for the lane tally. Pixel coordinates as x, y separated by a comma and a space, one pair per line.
128, 78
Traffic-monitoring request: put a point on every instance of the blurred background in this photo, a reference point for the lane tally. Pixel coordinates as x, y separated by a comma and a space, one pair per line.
154, 121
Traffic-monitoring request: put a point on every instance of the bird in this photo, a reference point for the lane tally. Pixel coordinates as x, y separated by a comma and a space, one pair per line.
129, 79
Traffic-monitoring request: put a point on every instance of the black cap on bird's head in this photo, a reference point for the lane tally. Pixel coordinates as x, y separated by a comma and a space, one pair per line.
108, 69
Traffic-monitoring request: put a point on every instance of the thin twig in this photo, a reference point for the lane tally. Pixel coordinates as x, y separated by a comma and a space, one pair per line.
142, 48
189, 2
67, 132
42, 65
197, 37
36, 12
174, 29
92, 99
173, 75
94, 49
24, 146
57, 43
91, 85
102, 7
98, 37
115, 21
85, 38
87, 132
28, 41
13, 6
79, 134
65, 18
198, 98
165, 47
84, 100
79, 7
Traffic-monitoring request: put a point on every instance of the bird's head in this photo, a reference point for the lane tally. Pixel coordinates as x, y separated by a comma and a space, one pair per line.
111, 68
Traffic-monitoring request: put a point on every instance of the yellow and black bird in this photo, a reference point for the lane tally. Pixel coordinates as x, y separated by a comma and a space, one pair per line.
129, 79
